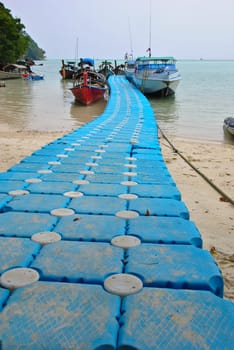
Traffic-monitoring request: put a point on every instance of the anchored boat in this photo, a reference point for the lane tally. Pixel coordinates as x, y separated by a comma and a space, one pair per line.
68, 69
156, 75
89, 86
12, 71
228, 125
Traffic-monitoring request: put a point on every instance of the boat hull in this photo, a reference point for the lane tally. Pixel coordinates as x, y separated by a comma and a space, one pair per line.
9, 75
88, 94
159, 84
129, 75
228, 125
33, 76
130, 70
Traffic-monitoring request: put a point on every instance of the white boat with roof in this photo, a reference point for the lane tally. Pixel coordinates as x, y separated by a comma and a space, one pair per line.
156, 75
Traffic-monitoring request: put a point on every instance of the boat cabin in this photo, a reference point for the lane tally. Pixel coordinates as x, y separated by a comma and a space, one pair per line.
156, 63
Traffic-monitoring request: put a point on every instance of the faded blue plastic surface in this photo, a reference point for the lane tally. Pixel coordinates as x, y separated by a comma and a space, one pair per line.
175, 266
22, 224
51, 314
159, 207
100, 228
102, 189
16, 252
50, 187
107, 178
4, 198
60, 316
12, 175
61, 177
38, 203
78, 262
158, 191
174, 319
29, 167
69, 168
40, 159
3, 296
168, 230
7, 186
162, 179
97, 205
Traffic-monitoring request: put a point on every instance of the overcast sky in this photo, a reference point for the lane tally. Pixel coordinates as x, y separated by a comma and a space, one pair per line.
185, 29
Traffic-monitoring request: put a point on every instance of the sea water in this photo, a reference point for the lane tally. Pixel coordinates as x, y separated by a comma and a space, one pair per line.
204, 97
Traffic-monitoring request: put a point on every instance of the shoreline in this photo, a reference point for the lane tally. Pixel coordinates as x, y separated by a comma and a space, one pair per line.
212, 215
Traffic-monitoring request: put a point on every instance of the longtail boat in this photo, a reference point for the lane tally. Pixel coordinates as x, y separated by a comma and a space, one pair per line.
89, 86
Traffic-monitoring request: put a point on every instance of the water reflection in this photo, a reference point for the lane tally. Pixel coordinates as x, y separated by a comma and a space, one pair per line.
16, 104
166, 112
83, 114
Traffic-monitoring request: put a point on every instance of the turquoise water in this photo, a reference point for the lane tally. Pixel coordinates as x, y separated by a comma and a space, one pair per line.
203, 99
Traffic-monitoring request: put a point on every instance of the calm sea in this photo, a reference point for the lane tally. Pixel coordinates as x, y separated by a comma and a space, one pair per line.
203, 99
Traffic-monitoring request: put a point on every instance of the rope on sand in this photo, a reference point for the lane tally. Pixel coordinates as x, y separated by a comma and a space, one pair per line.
223, 194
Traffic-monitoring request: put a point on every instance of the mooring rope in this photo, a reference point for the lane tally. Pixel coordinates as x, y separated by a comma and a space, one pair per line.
223, 194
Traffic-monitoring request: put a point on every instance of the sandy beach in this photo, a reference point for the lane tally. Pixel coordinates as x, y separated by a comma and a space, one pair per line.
212, 214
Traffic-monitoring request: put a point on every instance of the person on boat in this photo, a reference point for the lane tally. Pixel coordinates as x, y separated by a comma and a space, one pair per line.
28, 68
149, 50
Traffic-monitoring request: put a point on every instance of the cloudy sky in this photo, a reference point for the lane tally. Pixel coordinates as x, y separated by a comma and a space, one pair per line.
185, 29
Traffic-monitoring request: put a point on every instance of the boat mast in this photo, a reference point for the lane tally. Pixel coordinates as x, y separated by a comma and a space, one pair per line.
130, 36
149, 49
76, 53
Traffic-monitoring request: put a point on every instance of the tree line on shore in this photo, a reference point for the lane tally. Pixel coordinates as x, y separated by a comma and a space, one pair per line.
15, 43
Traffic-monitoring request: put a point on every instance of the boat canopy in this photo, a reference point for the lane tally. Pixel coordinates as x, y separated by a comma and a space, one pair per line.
89, 61
13, 67
163, 59
156, 63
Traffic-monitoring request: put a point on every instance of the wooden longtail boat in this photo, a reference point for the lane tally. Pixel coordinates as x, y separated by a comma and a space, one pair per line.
89, 86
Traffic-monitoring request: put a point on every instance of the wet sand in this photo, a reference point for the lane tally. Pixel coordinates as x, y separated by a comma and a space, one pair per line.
213, 216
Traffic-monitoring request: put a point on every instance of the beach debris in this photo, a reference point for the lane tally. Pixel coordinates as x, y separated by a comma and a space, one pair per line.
213, 251
147, 213
222, 199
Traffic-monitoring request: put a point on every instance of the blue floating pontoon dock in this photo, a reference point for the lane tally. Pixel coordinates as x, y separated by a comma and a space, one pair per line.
104, 183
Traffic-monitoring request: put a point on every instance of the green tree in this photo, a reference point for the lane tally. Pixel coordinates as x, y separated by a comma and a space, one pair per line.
34, 51
13, 41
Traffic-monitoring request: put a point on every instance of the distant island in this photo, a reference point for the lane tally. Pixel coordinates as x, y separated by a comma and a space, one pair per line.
15, 43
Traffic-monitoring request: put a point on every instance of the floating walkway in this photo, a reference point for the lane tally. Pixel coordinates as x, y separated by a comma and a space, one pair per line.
97, 249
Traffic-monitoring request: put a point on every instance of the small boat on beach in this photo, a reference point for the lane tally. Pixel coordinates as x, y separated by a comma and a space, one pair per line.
228, 125
156, 75
89, 86
12, 71
32, 76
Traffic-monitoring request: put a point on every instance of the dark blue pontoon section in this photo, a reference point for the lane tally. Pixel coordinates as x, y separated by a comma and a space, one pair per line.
98, 175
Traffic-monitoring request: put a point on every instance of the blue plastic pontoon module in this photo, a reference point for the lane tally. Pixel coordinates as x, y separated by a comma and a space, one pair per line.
100, 228
175, 266
16, 252
22, 224
60, 316
83, 262
175, 319
168, 230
